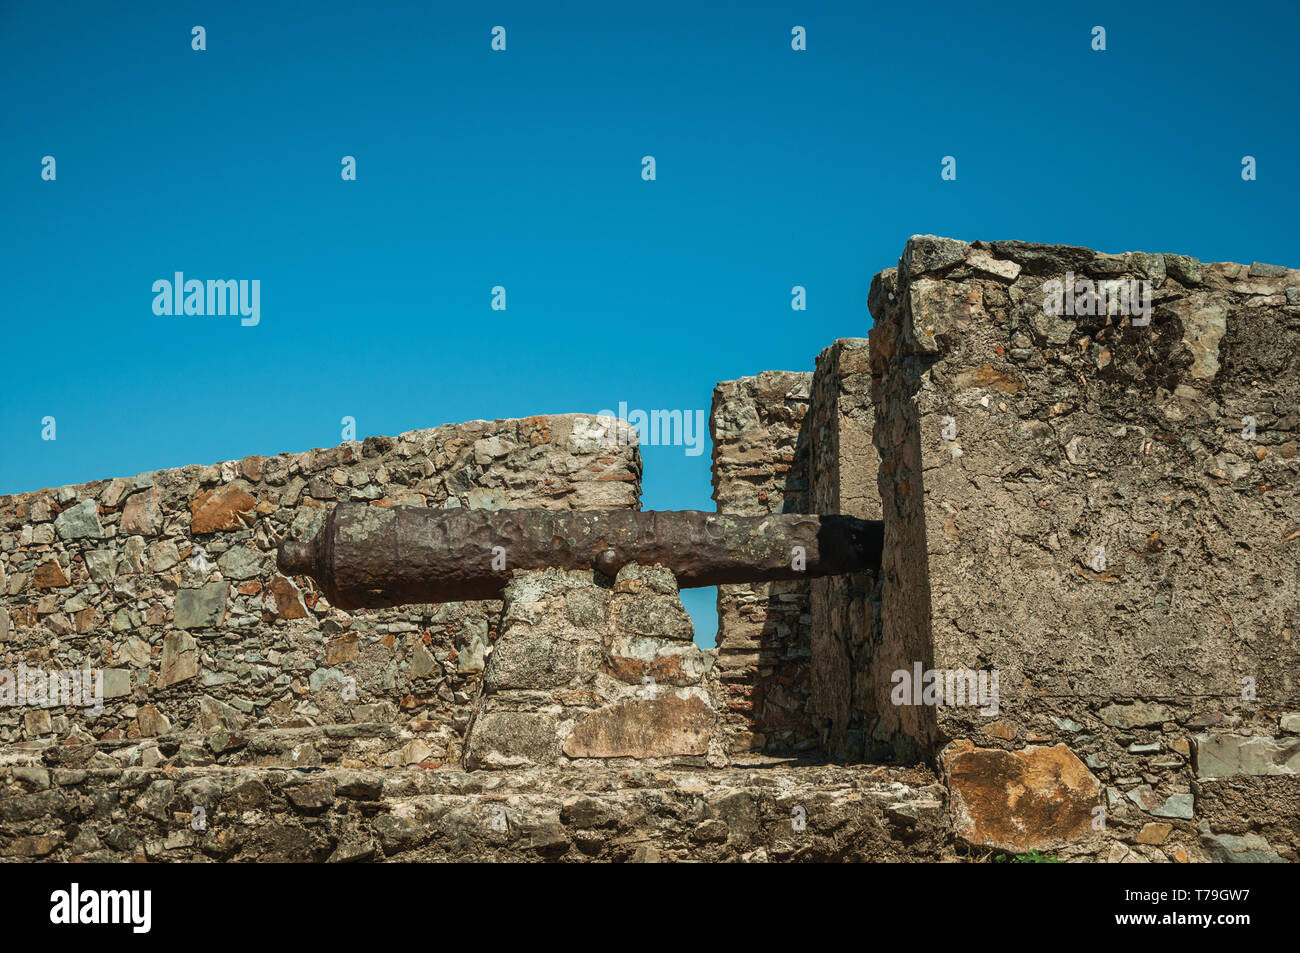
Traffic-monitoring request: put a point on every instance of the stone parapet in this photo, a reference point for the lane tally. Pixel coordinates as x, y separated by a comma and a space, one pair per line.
166, 584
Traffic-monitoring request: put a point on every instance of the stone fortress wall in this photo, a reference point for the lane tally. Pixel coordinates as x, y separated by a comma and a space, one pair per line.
110, 575
1071, 502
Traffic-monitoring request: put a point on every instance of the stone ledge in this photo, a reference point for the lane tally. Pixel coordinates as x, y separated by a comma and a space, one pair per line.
769, 813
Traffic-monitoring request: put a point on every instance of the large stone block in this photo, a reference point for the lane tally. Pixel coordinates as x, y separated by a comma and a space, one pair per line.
142, 515
80, 521
1223, 755
201, 608
540, 661
513, 739
221, 508
1262, 810
674, 724
179, 659
1033, 799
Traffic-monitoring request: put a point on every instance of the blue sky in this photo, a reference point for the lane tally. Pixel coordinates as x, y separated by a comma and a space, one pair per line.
522, 169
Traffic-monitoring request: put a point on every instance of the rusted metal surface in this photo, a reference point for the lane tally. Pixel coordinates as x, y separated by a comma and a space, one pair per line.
373, 556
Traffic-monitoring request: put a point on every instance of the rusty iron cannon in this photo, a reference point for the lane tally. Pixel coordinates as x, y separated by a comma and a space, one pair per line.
373, 557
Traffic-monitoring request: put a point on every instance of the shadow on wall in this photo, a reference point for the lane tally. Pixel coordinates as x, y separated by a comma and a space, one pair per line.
761, 455
906, 639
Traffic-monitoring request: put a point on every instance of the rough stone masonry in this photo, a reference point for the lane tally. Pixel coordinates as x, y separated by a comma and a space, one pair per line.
1102, 512
1105, 512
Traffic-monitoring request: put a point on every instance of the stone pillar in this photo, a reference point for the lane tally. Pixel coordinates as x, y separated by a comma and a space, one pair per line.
1103, 512
845, 609
760, 465
582, 671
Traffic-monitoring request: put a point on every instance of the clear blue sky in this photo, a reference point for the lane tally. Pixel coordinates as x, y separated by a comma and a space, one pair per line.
523, 169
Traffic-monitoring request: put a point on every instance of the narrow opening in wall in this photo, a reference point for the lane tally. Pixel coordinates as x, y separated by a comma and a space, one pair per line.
672, 479
702, 604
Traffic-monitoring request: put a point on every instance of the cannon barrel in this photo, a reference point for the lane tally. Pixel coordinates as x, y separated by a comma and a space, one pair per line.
372, 556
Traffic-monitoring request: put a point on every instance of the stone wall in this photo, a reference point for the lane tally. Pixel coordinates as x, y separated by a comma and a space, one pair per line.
589, 669
1105, 514
845, 609
760, 465
213, 655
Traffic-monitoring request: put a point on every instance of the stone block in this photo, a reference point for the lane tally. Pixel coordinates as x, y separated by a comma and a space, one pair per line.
1033, 799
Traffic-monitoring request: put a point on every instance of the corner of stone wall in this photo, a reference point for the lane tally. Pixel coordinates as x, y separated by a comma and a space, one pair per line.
1104, 514
910, 732
760, 465
845, 609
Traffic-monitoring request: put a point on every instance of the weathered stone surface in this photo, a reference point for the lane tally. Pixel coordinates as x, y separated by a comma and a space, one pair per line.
116, 491
1265, 806
142, 515
102, 565
1238, 849
636, 659
1032, 799
1134, 715
117, 682
314, 796
662, 616
286, 599
151, 722
932, 253
540, 660
214, 713
156, 802
1049, 480
422, 663
566, 639
49, 575
1154, 833
161, 555
644, 728
1204, 321
201, 608
259, 813
1223, 755
240, 562
513, 739
33, 845
136, 651
179, 659
1176, 805
220, 509
345, 648
80, 522
843, 471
